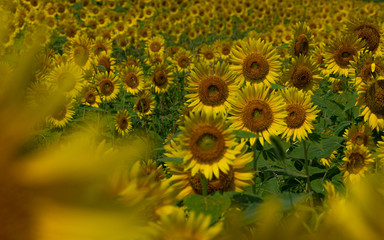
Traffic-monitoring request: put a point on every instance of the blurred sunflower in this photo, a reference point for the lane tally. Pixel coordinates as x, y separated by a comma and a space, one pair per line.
370, 100
256, 61
340, 53
123, 122
38, 93
359, 135
108, 86
239, 177
175, 225
211, 88
303, 74
301, 114
156, 45
224, 47
357, 162
133, 80
260, 110
182, 59
207, 144
62, 114
369, 32
66, 77
302, 42
80, 51
162, 78
144, 105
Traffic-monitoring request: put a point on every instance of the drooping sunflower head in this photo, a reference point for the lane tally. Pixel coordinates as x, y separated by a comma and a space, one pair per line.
80, 52
340, 53
301, 114
359, 135
357, 162
255, 61
108, 86
211, 88
156, 45
260, 110
302, 42
123, 122
133, 80
161, 77
302, 74
207, 144
145, 104
368, 31
371, 102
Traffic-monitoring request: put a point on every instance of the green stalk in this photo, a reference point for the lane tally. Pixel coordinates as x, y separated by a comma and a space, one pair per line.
255, 157
204, 184
306, 163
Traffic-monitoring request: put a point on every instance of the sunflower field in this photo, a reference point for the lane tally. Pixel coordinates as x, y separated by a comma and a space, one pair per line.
195, 120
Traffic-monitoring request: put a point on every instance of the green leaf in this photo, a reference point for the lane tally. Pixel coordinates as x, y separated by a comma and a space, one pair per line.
245, 134
317, 185
278, 148
214, 205
319, 150
288, 172
284, 45
171, 160
289, 199
102, 68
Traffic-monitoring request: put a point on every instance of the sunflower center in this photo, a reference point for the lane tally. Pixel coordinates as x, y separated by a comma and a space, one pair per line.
143, 105
160, 78
225, 50
60, 112
222, 184
356, 163
375, 97
107, 87
155, 46
207, 144
255, 67
104, 61
183, 61
359, 138
301, 77
296, 116
131, 80
123, 123
370, 34
301, 45
66, 81
80, 55
213, 91
90, 97
344, 54
208, 54
257, 116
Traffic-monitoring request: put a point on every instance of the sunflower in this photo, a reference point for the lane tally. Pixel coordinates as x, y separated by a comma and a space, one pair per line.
100, 45
340, 53
302, 42
357, 162
145, 104
359, 135
260, 110
225, 48
369, 32
107, 85
208, 53
207, 144
256, 61
66, 77
80, 50
239, 177
62, 114
123, 122
90, 96
211, 89
303, 74
162, 78
133, 80
370, 99
367, 68
38, 94
106, 61
301, 114
182, 59
156, 45
175, 226
328, 160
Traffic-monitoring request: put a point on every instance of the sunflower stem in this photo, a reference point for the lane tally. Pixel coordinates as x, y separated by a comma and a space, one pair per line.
204, 184
306, 163
255, 157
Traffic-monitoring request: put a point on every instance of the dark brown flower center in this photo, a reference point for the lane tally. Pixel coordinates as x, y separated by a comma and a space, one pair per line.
375, 97
296, 116
222, 184
213, 91
122, 122
160, 78
131, 80
107, 87
356, 163
301, 77
255, 67
359, 138
155, 46
370, 34
344, 54
183, 61
301, 45
257, 116
143, 105
208, 54
105, 61
90, 97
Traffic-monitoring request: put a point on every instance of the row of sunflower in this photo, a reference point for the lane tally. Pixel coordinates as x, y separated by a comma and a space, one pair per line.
223, 83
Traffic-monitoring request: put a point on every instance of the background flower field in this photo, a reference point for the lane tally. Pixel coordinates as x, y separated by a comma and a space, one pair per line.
191, 119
